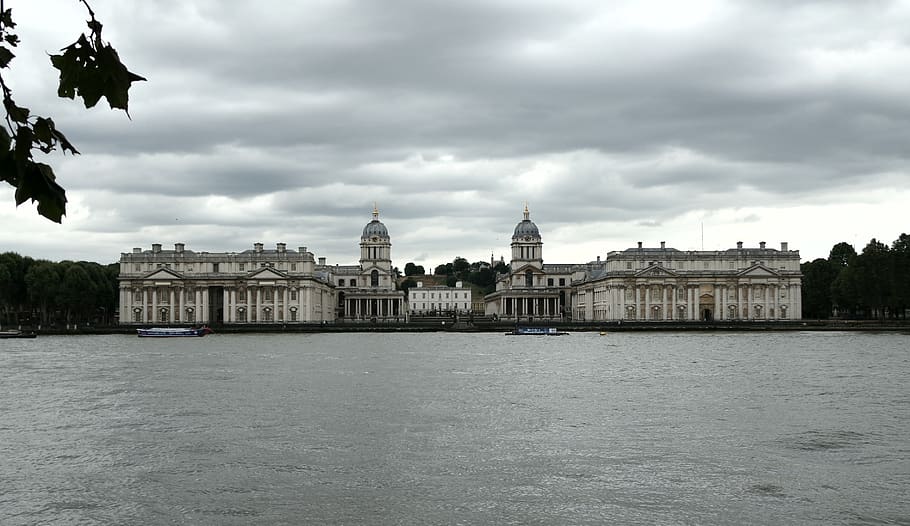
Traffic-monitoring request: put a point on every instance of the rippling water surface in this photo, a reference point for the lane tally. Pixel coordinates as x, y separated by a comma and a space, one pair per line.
771, 428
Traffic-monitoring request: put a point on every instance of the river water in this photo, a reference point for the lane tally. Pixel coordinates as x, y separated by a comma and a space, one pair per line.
644, 428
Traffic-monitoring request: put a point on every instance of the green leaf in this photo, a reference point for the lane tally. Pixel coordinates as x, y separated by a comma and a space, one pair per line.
38, 184
6, 19
16, 113
5, 56
11, 39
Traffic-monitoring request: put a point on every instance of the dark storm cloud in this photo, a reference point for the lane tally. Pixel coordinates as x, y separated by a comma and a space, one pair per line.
274, 118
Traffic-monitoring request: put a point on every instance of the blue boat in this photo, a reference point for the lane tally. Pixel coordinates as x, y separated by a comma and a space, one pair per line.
537, 331
175, 332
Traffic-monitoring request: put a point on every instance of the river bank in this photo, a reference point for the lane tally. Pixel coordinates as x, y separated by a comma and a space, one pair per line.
447, 325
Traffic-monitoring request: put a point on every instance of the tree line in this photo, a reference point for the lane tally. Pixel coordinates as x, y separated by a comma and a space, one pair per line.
874, 284
478, 273
40, 292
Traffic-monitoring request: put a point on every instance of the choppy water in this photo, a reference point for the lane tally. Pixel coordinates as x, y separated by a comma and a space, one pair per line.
776, 428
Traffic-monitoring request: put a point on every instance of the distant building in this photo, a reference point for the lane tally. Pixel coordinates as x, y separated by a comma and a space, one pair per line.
439, 300
180, 286
663, 284
531, 290
367, 291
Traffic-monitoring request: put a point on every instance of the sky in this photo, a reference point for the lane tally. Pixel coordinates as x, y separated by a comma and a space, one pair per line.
698, 123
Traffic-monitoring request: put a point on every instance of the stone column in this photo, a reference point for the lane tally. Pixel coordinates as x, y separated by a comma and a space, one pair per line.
154, 304
749, 300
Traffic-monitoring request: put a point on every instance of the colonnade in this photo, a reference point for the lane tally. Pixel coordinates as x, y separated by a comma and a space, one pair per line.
668, 301
531, 306
366, 308
252, 304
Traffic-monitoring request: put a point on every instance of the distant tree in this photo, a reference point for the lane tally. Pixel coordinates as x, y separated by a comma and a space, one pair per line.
410, 269
451, 280
43, 283
460, 265
900, 252
442, 270
89, 68
77, 293
407, 284
818, 276
501, 268
841, 255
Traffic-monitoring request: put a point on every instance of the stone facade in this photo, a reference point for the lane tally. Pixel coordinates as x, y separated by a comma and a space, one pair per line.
367, 291
531, 290
439, 299
664, 284
181, 286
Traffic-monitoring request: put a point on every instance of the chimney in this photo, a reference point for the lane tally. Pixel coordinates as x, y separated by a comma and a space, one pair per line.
761, 245
156, 247
282, 247
322, 261
739, 244
783, 246
178, 248
598, 259
459, 284
663, 245
419, 284
639, 245
302, 250
137, 250
257, 247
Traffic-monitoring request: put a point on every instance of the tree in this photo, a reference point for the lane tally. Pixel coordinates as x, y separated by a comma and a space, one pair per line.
442, 270
89, 68
460, 265
411, 269
818, 277
841, 255
407, 284
42, 281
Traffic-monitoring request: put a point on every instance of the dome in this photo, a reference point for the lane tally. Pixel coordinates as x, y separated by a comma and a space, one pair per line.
375, 227
526, 227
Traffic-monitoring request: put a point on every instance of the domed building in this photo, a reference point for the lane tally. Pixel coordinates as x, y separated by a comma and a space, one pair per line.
367, 291
530, 290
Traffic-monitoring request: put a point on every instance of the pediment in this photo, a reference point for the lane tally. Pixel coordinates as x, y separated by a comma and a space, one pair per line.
163, 274
758, 271
655, 271
267, 273
526, 267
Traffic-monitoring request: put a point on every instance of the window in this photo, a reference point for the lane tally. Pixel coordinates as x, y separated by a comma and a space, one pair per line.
293, 266
241, 295
549, 282
137, 315
214, 267
628, 265
137, 296
267, 295
189, 268
353, 283
242, 267
293, 294
138, 267
340, 282
562, 282
529, 279
374, 278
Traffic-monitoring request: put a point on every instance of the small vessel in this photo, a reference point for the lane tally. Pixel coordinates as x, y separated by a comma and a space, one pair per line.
537, 331
13, 333
173, 332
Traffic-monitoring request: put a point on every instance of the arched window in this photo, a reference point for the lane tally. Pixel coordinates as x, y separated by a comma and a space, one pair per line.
529, 278
374, 278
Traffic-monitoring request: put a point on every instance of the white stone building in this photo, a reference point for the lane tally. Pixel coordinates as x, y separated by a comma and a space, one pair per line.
439, 299
531, 290
367, 292
663, 284
181, 286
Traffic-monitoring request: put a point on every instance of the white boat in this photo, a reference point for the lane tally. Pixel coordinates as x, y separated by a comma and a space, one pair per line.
173, 332
537, 331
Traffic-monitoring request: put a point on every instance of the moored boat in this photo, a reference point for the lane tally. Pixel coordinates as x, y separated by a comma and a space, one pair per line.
537, 331
17, 334
173, 332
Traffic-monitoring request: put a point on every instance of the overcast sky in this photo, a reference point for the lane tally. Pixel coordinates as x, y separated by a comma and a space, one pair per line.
698, 123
